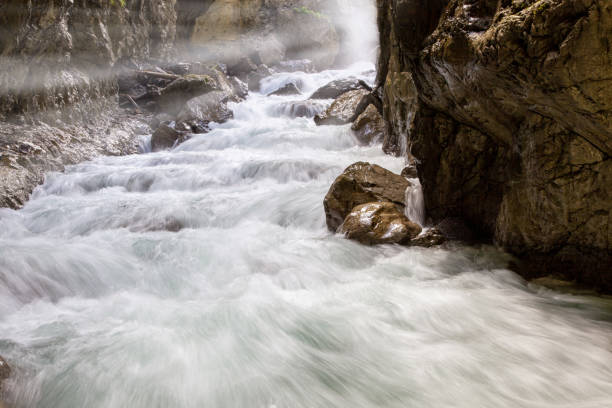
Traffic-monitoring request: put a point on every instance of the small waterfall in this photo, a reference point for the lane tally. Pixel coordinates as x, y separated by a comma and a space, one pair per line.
415, 203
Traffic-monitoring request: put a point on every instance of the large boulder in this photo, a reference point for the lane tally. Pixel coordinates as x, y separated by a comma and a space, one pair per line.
362, 183
369, 126
379, 223
336, 88
344, 109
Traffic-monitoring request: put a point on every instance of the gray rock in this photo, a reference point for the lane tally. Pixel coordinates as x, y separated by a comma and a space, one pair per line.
336, 88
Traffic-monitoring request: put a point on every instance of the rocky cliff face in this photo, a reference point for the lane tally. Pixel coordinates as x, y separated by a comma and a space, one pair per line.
507, 109
267, 31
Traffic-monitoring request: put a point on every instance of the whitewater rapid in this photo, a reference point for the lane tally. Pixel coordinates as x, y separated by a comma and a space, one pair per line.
204, 276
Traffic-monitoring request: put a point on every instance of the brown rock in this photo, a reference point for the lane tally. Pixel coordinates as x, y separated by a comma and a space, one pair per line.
379, 223
362, 183
343, 110
369, 126
166, 137
432, 237
410, 172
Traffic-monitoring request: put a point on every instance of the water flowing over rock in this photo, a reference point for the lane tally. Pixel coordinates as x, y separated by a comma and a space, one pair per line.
362, 183
506, 106
166, 137
378, 223
344, 109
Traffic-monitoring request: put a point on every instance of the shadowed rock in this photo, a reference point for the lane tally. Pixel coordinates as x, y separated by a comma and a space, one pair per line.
369, 126
289, 89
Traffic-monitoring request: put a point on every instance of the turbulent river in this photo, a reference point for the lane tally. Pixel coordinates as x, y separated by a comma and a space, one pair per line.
204, 276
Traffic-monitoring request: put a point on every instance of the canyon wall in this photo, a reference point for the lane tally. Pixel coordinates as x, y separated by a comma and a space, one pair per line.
506, 108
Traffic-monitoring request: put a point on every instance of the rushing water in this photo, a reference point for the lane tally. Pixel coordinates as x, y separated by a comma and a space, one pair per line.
205, 277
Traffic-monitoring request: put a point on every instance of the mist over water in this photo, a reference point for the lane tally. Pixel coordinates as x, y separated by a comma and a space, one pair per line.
205, 276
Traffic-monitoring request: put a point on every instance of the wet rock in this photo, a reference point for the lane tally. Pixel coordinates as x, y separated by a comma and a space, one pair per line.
432, 237
289, 89
300, 109
254, 78
362, 183
506, 107
5, 372
369, 126
343, 110
336, 88
166, 137
179, 91
410, 172
379, 223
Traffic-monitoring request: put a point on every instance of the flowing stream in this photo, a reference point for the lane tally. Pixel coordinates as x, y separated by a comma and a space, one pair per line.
204, 276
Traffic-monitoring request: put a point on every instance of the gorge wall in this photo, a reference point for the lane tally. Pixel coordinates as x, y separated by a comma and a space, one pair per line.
505, 105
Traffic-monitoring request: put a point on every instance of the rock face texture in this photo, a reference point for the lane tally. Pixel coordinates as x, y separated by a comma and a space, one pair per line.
266, 31
506, 106
58, 90
362, 183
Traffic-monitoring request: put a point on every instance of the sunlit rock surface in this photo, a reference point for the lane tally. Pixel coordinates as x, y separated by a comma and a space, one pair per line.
362, 183
378, 223
508, 110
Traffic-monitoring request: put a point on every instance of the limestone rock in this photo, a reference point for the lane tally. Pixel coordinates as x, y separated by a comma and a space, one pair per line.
343, 110
362, 183
508, 112
338, 87
379, 223
369, 126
